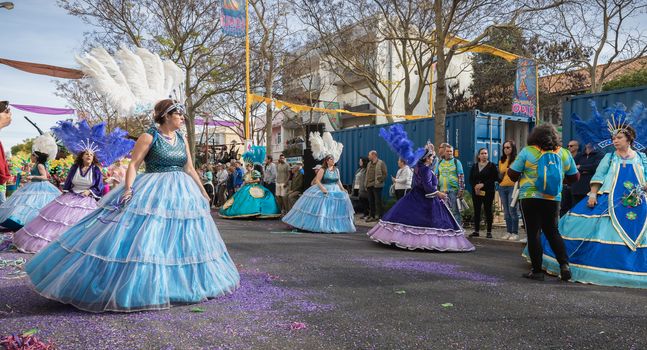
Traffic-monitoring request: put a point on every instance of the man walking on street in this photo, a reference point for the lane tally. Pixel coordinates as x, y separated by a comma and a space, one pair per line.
269, 174
451, 180
282, 178
376, 173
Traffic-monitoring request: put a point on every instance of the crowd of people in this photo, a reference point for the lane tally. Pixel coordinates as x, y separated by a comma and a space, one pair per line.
161, 219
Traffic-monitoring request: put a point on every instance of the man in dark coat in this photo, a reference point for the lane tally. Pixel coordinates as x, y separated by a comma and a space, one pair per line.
587, 162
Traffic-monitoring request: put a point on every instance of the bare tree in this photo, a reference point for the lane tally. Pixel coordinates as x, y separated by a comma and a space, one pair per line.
185, 31
606, 30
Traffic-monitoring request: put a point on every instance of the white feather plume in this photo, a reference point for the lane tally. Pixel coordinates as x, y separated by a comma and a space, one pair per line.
154, 69
324, 145
45, 144
317, 146
130, 81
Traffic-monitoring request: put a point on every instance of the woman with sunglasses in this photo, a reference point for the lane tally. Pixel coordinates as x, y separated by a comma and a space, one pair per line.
151, 244
506, 187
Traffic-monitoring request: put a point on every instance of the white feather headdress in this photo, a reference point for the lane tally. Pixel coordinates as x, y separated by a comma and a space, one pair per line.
45, 144
324, 145
131, 82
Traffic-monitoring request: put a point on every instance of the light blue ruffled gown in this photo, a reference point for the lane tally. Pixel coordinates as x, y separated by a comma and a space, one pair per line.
251, 201
316, 212
23, 205
607, 244
162, 248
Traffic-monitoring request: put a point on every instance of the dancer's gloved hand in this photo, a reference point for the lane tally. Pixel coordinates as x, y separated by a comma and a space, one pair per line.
593, 200
126, 196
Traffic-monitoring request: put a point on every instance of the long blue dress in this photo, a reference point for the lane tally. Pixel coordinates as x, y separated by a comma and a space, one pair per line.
251, 201
607, 244
316, 212
418, 222
159, 249
23, 205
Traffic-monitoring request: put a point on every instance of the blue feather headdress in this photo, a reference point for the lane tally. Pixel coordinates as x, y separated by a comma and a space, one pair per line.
108, 148
255, 155
397, 139
601, 127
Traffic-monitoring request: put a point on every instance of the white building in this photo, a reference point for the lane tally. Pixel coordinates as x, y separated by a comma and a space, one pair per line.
314, 82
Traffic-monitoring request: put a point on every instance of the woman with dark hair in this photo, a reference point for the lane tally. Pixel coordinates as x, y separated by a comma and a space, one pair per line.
506, 188
325, 207
252, 200
420, 220
5, 176
605, 234
360, 195
540, 169
82, 189
483, 176
152, 243
24, 204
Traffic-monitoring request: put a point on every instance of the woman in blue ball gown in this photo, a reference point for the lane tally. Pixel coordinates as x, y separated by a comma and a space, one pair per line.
24, 204
325, 207
252, 200
606, 234
151, 243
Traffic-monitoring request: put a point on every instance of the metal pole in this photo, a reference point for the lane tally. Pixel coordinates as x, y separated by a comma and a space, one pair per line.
247, 83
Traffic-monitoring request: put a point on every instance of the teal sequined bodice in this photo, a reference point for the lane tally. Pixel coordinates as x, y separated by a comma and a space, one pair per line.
330, 177
35, 172
163, 157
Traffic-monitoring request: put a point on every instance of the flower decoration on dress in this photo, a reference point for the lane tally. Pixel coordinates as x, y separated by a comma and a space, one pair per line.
323, 145
80, 138
600, 128
397, 139
45, 144
256, 155
132, 82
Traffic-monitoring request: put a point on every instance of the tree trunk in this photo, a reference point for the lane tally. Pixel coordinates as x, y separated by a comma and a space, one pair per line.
189, 121
440, 105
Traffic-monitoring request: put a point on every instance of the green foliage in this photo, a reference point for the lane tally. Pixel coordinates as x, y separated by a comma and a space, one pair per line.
631, 79
25, 146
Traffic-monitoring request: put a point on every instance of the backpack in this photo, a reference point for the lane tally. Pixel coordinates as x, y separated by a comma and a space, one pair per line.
550, 173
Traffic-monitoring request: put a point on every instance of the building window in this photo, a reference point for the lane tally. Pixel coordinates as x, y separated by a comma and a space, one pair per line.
278, 138
218, 139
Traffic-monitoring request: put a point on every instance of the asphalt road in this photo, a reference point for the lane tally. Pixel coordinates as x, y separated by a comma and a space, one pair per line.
316, 291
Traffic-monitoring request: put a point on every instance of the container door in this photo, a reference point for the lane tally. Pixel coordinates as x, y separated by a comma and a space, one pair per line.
488, 133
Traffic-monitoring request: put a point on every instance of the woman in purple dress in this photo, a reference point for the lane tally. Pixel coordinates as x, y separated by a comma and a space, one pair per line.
420, 220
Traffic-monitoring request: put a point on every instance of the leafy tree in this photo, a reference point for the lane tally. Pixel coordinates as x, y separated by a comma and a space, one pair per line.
631, 79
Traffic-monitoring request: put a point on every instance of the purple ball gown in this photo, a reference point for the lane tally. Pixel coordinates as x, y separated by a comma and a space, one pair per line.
63, 212
418, 222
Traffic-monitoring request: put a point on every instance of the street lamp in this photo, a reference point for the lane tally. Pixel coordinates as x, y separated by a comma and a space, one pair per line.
8, 5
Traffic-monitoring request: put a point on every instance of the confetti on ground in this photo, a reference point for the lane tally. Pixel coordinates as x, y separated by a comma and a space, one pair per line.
295, 326
447, 305
197, 309
400, 292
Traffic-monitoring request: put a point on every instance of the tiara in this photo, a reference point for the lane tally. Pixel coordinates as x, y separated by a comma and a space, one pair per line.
87, 145
616, 125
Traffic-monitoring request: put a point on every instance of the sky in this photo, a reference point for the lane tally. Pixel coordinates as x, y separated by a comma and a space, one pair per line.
35, 31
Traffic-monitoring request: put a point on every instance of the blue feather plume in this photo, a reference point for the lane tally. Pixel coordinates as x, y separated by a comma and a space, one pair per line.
596, 130
109, 148
397, 139
255, 155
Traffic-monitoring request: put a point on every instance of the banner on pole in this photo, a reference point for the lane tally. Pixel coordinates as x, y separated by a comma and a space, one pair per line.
524, 101
233, 17
334, 118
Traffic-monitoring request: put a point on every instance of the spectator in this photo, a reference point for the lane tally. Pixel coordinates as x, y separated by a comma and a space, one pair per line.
441, 155
506, 187
221, 183
239, 174
360, 195
231, 180
282, 179
295, 187
483, 175
540, 209
587, 162
451, 180
376, 172
402, 179
5, 120
269, 175
207, 181
567, 197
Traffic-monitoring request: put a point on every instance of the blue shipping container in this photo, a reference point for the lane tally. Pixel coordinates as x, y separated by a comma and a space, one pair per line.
581, 106
467, 132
